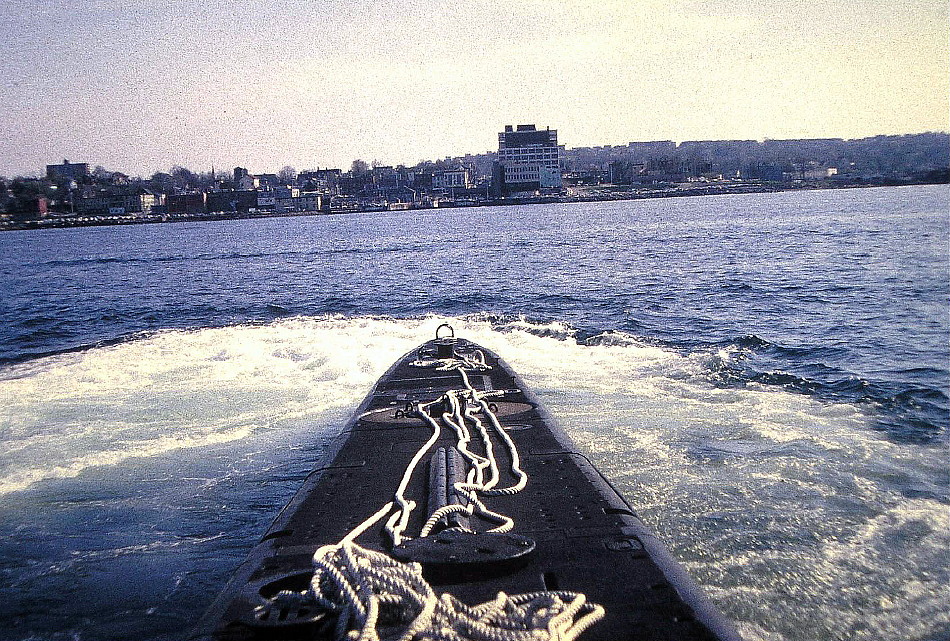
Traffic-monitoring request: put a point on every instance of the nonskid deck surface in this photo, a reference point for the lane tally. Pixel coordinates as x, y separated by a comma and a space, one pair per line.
586, 538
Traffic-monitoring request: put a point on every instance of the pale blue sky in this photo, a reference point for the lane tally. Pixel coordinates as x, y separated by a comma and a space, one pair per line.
141, 85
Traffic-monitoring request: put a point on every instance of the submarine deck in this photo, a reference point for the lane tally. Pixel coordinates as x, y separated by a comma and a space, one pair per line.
587, 538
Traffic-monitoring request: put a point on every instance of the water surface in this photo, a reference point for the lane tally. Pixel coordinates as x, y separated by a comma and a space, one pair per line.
764, 377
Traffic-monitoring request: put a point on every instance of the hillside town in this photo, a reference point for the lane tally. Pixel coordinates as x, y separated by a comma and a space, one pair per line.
529, 166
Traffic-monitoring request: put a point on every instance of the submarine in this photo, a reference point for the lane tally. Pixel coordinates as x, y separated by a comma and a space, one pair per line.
453, 506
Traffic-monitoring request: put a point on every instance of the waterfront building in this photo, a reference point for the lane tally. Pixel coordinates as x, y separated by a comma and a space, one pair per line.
266, 200
312, 201
652, 149
237, 201
136, 201
244, 181
625, 172
324, 181
529, 159
448, 179
185, 204
67, 171
31, 208
268, 181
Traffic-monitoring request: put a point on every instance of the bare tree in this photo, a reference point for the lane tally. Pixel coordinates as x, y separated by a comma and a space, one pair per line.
184, 177
287, 175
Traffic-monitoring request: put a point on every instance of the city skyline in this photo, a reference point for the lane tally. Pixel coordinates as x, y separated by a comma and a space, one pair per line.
140, 86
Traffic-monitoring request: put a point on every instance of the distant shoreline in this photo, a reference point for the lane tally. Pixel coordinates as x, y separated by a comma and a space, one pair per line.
599, 193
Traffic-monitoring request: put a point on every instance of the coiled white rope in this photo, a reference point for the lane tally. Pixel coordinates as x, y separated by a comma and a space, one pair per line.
377, 598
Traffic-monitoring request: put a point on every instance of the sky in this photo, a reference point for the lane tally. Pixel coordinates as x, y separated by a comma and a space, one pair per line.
140, 85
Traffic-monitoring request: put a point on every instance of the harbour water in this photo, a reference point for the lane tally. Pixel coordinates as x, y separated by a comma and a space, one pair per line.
764, 377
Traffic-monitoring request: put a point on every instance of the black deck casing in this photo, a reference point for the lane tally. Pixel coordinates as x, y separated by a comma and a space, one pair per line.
587, 537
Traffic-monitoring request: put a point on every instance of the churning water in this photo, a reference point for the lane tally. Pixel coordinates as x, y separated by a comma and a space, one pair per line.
764, 378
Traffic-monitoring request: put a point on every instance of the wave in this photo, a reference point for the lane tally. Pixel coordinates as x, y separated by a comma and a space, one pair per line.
25, 357
911, 406
151, 392
238, 256
762, 490
173, 258
27, 341
188, 388
906, 407
22, 477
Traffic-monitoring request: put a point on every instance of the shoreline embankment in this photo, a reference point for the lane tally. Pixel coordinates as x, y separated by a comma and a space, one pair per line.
600, 193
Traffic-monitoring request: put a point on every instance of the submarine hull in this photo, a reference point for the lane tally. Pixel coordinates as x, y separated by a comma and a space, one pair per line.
576, 532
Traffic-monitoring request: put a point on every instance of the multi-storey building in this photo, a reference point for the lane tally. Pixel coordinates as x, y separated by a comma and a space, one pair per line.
529, 158
67, 171
122, 202
324, 181
458, 178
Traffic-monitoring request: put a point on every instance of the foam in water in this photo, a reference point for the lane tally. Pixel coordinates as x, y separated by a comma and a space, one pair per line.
178, 390
799, 520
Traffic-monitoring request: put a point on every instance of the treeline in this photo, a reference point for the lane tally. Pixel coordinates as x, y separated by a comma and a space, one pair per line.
868, 160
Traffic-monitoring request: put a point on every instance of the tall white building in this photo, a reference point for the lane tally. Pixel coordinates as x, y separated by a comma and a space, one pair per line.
529, 158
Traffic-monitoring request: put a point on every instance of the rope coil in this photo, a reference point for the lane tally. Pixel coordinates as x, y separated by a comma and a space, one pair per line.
376, 598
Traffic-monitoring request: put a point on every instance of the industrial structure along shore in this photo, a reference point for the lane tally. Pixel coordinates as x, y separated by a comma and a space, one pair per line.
530, 166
